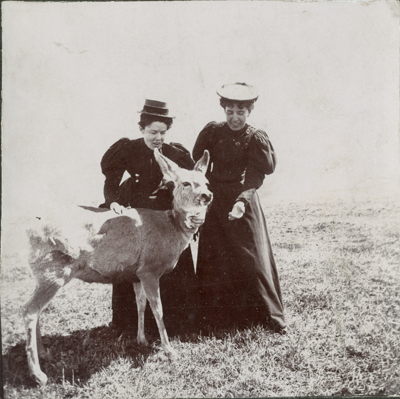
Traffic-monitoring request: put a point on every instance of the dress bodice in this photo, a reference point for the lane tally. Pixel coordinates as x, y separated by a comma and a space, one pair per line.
138, 160
240, 158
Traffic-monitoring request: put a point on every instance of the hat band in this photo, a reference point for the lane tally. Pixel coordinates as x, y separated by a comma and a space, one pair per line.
155, 110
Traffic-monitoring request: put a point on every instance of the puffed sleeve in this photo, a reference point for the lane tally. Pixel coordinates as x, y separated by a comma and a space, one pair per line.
203, 141
113, 166
261, 162
184, 160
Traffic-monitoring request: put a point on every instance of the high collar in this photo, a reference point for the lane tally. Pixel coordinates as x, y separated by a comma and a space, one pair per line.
146, 150
235, 132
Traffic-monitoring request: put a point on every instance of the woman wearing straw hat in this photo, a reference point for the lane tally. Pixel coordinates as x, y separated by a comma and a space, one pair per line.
141, 190
237, 276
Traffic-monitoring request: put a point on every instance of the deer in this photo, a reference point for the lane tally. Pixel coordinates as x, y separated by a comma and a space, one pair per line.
138, 246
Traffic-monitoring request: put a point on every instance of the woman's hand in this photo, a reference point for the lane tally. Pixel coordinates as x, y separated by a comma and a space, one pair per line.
117, 208
237, 211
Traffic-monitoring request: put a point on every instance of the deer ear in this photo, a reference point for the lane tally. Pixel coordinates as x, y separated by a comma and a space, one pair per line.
168, 168
202, 163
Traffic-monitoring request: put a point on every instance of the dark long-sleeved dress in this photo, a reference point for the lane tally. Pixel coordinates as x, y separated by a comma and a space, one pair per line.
140, 191
237, 276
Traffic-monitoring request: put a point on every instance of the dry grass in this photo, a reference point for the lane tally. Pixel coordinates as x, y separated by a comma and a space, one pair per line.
339, 268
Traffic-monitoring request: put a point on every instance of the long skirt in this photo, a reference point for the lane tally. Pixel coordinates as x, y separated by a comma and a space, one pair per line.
237, 277
178, 298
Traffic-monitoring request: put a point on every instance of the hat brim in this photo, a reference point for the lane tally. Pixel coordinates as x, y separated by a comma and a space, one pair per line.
160, 116
238, 92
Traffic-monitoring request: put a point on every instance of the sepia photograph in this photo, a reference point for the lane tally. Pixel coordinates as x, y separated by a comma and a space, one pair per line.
200, 199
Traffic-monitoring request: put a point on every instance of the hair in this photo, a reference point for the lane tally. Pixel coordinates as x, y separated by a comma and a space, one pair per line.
226, 102
146, 120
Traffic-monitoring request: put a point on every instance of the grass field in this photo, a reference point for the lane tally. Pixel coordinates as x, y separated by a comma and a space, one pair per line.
339, 270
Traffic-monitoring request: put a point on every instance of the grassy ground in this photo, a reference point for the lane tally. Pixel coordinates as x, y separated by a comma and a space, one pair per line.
339, 269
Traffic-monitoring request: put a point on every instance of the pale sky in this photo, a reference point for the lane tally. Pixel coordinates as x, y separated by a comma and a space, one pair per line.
75, 75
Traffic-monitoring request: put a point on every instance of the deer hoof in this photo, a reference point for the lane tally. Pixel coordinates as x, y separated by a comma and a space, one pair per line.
40, 378
171, 354
143, 342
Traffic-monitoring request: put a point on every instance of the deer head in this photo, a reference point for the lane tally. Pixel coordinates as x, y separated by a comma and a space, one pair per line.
191, 194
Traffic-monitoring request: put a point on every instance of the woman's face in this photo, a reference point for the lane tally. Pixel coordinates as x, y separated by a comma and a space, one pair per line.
236, 117
154, 134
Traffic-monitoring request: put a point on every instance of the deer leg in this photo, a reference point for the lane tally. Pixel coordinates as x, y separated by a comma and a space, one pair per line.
52, 273
141, 302
41, 297
151, 288
41, 350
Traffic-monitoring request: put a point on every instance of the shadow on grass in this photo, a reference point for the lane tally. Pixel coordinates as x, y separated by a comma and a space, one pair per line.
76, 357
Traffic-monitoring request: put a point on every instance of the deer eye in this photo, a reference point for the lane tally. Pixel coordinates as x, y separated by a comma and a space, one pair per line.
186, 184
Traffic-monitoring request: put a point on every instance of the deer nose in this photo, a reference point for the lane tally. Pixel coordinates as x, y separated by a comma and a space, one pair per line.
206, 197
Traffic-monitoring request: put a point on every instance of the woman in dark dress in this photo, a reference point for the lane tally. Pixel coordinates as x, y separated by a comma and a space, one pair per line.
237, 276
141, 190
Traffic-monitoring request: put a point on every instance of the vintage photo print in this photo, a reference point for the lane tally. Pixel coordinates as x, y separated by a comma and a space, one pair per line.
234, 165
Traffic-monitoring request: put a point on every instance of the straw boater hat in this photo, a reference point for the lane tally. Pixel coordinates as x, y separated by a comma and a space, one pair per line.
238, 92
155, 108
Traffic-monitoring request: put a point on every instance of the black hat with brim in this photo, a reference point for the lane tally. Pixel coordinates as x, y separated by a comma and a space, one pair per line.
156, 108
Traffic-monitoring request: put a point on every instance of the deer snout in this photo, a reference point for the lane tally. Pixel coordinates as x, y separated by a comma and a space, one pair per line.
207, 197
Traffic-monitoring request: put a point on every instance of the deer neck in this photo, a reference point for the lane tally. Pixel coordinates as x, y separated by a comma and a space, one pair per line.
183, 224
